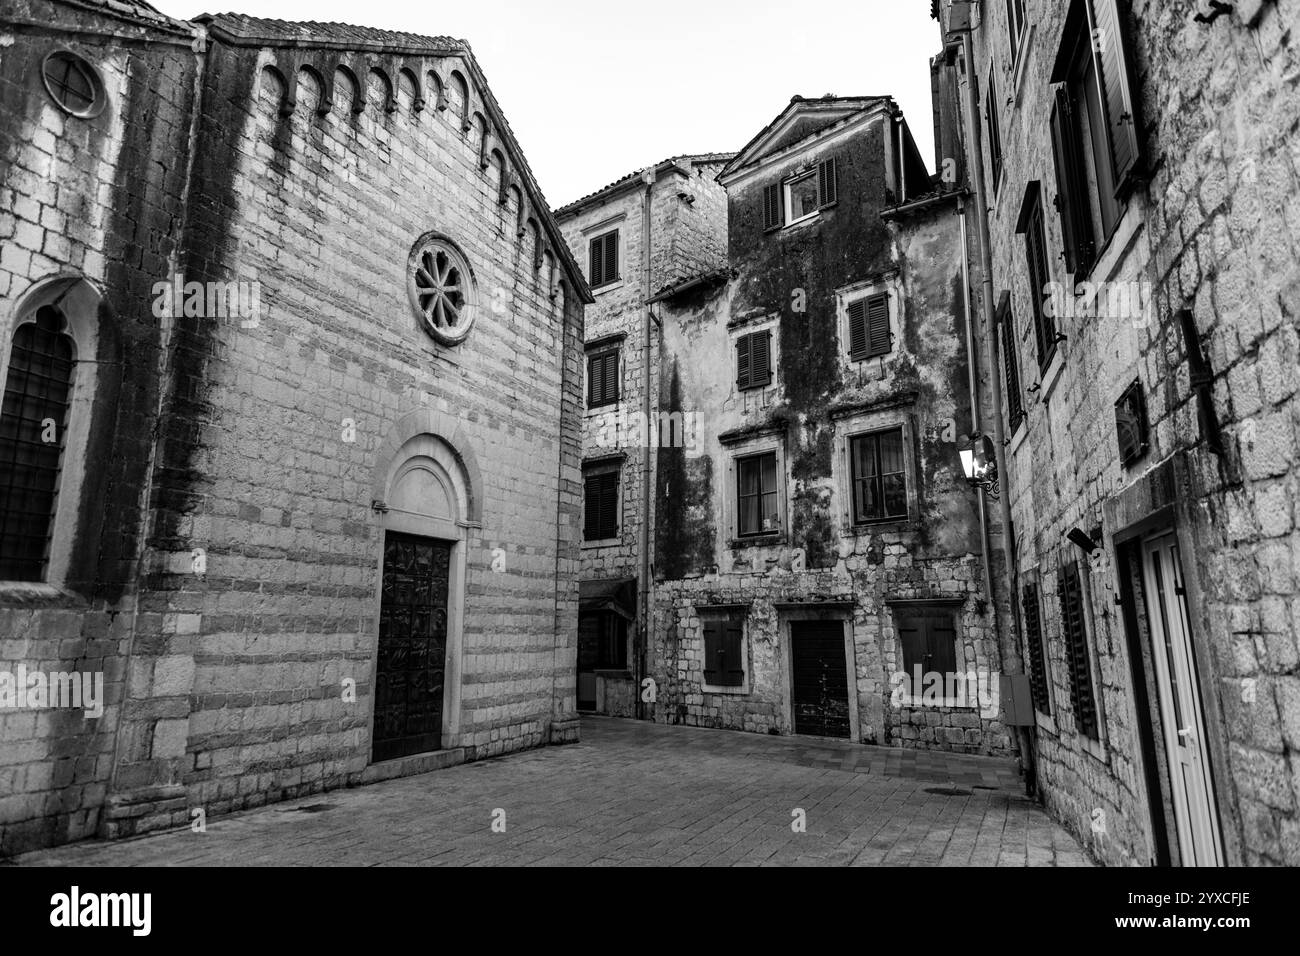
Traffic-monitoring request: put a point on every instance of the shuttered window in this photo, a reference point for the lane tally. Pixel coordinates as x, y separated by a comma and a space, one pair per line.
1071, 186
827, 182
754, 360
878, 474
1075, 635
724, 650
600, 504
33, 420
1117, 86
1034, 645
994, 132
1039, 280
602, 378
773, 206
1015, 25
602, 259
1010, 364
756, 495
869, 334
927, 637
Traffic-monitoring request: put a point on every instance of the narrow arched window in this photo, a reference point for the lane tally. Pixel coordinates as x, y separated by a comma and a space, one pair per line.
33, 422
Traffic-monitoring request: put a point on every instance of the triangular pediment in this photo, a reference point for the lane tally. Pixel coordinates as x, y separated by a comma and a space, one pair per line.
801, 119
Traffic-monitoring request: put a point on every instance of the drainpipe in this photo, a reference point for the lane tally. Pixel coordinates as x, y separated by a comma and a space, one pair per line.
643, 602
975, 165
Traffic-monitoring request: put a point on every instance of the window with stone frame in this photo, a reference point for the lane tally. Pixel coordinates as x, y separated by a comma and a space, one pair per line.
757, 490
878, 476
754, 360
927, 638
869, 329
1095, 139
801, 196
724, 647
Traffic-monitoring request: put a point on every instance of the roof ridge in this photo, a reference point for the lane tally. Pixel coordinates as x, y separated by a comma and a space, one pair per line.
676, 157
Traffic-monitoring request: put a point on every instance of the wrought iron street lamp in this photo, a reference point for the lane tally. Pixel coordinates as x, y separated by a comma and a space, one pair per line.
979, 463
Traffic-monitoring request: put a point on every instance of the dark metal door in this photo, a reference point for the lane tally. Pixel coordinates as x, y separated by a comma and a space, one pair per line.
820, 681
412, 646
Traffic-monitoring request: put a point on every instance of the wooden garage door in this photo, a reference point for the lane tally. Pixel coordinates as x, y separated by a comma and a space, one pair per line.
820, 680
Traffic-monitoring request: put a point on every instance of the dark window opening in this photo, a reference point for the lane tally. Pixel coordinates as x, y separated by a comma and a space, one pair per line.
33, 422
602, 642
1131, 424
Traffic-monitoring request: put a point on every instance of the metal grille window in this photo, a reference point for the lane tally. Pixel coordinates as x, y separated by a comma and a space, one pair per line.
879, 476
1037, 660
602, 259
869, 333
33, 422
1075, 632
602, 378
756, 495
600, 504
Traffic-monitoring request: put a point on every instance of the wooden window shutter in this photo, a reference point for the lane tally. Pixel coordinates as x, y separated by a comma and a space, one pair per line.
826, 182
742, 362
773, 201
1036, 260
591, 507
879, 339
1011, 366
611, 256
941, 642
995, 134
760, 358
1034, 640
712, 649
733, 660
602, 379
1076, 645
595, 387
596, 261
858, 328
600, 506
1117, 88
1071, 186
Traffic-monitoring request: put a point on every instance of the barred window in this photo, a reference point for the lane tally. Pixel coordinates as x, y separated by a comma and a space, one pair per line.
33, 422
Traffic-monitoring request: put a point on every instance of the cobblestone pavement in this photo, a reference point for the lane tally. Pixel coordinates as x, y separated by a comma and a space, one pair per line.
634, 793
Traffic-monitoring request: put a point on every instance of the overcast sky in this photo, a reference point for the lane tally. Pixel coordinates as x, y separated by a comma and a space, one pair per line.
595, 89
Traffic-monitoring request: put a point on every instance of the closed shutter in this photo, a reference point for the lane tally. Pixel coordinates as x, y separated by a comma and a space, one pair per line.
1011, 366
1076, 644
753, 360
1034, 640
826, 182
733, 670
596, 261
773, 200
995, 134
1117, 88
713, 631
611, 257
600, 506
1036, 254
602, 379
878, 337
858, 329
1071, 186
928, 636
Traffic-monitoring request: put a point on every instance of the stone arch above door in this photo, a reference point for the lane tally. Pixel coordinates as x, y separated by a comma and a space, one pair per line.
427, 451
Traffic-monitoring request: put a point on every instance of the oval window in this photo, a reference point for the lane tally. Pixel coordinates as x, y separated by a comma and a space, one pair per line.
73, 84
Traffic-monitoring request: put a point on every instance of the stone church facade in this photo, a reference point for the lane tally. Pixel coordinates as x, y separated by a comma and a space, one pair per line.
309, 338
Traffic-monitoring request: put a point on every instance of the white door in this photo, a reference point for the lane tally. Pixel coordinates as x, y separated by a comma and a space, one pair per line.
1195, 810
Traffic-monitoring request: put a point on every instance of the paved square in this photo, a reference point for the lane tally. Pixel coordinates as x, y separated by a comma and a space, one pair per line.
634, 793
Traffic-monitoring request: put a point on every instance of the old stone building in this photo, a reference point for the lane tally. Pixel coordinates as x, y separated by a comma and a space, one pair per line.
645, 232
291, 426
1139, 164
815, 550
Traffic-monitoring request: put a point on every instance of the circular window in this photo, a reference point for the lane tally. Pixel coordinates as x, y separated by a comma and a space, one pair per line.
73, 83
441, 288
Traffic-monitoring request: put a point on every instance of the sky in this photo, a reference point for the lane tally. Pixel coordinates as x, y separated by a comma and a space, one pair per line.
595, 90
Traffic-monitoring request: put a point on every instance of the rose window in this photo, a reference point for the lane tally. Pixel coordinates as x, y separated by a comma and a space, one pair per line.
441, 289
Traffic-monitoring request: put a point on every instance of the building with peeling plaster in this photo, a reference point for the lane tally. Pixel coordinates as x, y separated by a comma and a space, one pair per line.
291, 427
815, 550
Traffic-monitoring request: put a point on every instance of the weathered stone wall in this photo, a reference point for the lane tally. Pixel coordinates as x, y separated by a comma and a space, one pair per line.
99, 199
1213, 230
790, 279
